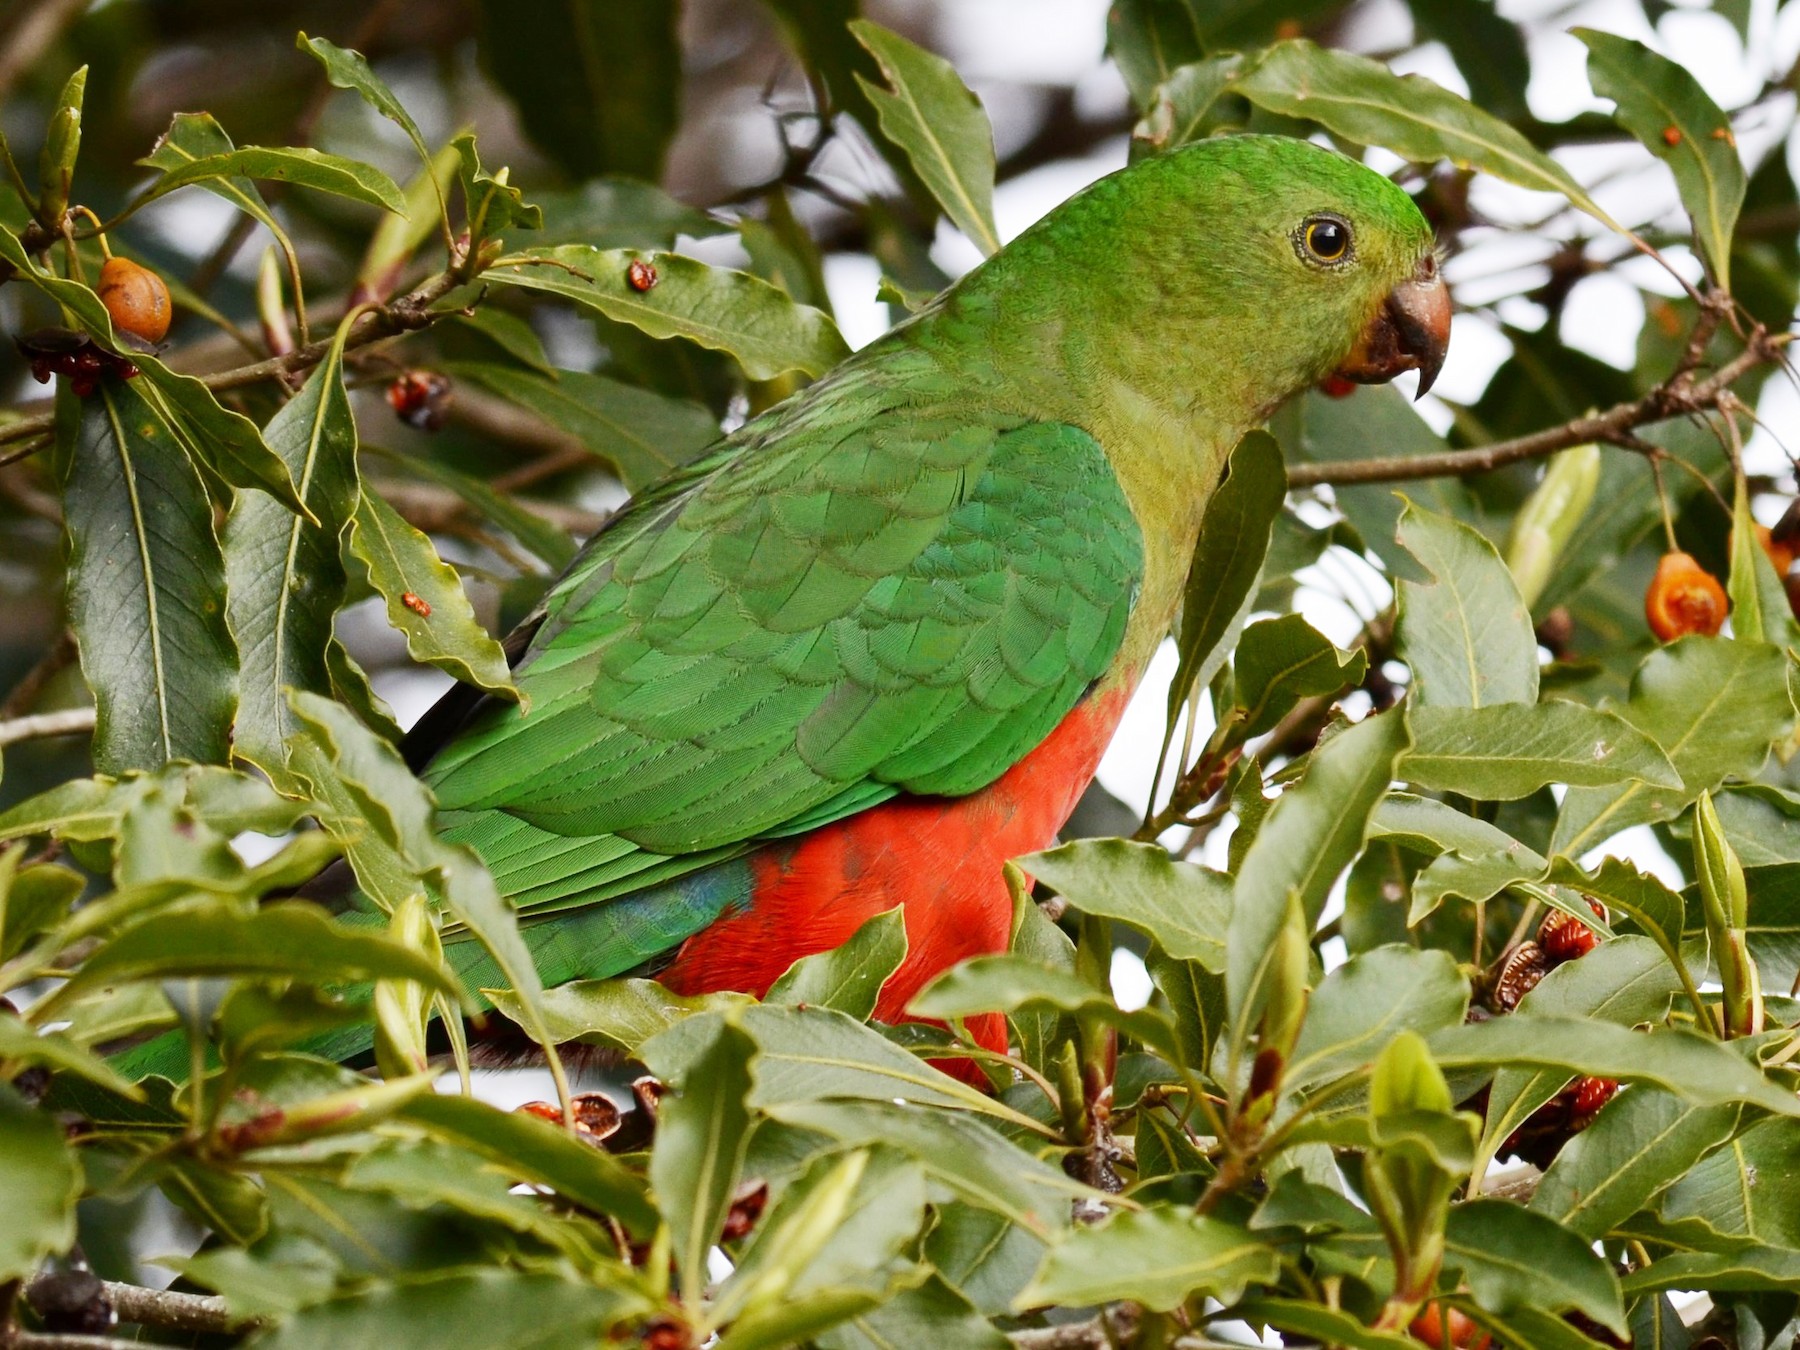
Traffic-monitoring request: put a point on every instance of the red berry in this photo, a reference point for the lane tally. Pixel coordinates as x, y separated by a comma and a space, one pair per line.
420, 398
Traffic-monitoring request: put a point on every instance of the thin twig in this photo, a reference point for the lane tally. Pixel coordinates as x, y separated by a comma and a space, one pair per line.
410, 312
38, 726
51, 664
171, 1309
60, 1340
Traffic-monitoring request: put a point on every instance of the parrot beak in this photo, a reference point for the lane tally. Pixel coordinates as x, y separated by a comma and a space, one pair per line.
1411, 331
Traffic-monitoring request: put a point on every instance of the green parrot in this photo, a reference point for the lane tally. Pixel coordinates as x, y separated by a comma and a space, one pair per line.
874, 642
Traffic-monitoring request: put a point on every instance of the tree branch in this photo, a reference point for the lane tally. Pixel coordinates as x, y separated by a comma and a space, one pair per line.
409, 313
166, 1308
67, 722
1678, 396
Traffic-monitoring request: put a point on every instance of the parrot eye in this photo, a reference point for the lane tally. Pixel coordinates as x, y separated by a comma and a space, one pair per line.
1325, 239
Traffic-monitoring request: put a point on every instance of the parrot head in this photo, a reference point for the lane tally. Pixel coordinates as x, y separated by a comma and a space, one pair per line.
1244, 268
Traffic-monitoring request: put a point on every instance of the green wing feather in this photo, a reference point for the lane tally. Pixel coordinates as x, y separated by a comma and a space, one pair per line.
870, 591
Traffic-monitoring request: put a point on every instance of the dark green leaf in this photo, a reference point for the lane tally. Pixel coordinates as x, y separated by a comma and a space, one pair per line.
495, 1309
936, 1314
1747, 1271
548, 541
350, 70
286, 575
982, 1254
1157, 1257
1281, 661
41, 1181
598, 86
22, 1046
1713, 705
621, 213
491, 204
1234, 538
1365, 1002
729, 311
1184, 907
146, 589
438, 620
1657, 97
1467, 636
1643, 1140
299, 165
1510, 750
1192, 103
1697, 1068
1317, 1322
618, 1013
701, 1129
1748, 1190
1759, 603
1408, 114
643, 433
929, 113
1311, 835
848, 978
1517, 1258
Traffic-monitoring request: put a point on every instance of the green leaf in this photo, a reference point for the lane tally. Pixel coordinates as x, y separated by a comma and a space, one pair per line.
848, 978
541, 1153
490, 203
1748, 1190
982, 1255
644, 434
1697, 1068
622, 213
299, 165
1517, 1258
1714, 706
216, 936
1192, 103
1317, 1322
1641, 1142
146, 590
1365, 1002
1311, 835
1408, 114
1183, 906
1762, 823
1510, 750
1759, 603
1234, 539
598, 87
41, 1180
495, 1309
22, 1046
1749, 1271
930, 114
62, 143
1657, 97
622, 1013
1467, 636
438, 621
728, 311
975, 1162
350, 70
701, 1130
807, 1054
286, 575
935, 1313
548, 541
1158, 1257
1281, 661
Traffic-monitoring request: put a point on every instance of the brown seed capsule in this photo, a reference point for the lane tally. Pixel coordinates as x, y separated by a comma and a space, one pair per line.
747, 1206
640, 276
136, 298
1563, 937
1519, 974
1684, 598
417, 605
595, 1116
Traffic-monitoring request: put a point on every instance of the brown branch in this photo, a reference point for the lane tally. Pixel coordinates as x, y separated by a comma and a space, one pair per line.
409, 313
1678, 396
67, 722
167, 1308
32, 682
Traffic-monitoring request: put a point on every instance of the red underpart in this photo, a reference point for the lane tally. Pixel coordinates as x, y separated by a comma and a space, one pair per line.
939, 857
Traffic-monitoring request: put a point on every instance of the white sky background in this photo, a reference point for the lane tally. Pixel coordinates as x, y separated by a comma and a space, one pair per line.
999, 44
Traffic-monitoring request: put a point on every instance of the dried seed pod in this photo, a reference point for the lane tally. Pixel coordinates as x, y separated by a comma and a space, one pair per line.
1563, 937
596, 1118
1684, 598
136, 298
1519, 974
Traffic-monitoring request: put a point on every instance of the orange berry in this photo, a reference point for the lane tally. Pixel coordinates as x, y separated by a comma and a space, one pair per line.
136, 299
1683, 598
1465, 1332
